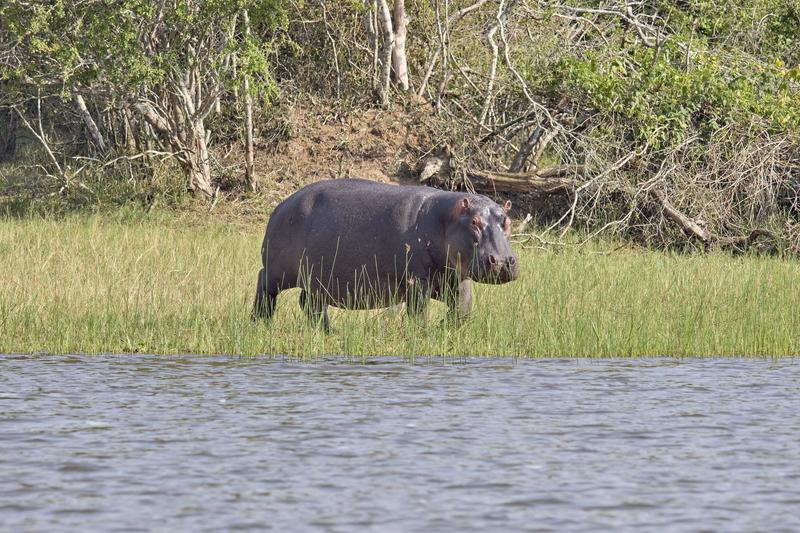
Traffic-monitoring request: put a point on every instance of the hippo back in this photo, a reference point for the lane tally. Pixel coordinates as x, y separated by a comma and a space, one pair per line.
353, 238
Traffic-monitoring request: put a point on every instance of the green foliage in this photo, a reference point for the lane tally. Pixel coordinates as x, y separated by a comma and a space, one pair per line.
664, 97
122, 45
765, 28
62, 42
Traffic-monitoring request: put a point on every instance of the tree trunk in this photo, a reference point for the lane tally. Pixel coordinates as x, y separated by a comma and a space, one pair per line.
94, 131
249, 166
130, 132
199, 161
189, 144
248, 126
8, 134
399, 60
385, 20
372, 38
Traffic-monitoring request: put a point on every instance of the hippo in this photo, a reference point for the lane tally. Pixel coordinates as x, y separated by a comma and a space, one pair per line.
359, 244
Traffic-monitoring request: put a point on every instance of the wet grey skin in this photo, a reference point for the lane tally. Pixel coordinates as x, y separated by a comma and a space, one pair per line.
358, 244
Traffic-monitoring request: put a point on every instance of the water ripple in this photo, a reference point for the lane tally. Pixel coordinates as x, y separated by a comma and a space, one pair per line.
131, 443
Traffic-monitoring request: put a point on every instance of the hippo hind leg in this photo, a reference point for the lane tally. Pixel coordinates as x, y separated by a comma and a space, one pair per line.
316, 310
418, 294
266, 295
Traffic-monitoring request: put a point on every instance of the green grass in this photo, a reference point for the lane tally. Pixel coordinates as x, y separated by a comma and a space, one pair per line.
89, 284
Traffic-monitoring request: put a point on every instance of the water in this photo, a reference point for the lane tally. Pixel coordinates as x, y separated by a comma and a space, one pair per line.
144, 443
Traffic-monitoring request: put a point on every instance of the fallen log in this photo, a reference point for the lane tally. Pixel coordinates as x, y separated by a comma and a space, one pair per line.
746, 240
567, 180
546, 181
707, 237
687, 224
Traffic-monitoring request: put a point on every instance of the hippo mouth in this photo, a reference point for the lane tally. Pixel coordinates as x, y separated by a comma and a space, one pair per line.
496, 272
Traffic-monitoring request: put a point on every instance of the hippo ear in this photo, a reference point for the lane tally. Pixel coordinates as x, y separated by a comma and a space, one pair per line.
463, 206
507, 206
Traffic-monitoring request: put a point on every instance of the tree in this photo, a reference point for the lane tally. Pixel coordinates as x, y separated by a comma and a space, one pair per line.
393, 25
168, 63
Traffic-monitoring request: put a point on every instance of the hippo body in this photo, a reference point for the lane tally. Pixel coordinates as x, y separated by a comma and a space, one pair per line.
359, 244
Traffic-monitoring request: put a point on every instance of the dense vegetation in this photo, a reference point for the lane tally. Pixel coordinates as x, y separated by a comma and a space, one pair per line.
660, 120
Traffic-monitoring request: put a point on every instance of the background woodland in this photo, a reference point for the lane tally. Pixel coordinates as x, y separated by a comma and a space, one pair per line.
668, 122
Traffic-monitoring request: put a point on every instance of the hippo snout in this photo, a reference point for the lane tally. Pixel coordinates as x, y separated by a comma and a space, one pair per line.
501, 269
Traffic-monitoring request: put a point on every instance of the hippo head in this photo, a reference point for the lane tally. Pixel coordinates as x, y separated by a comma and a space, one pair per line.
477, 238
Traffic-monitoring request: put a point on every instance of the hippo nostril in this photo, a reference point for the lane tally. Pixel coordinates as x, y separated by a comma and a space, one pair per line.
512, 261
492, 259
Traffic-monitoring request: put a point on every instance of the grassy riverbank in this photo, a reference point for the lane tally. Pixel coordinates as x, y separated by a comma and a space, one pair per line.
151, 285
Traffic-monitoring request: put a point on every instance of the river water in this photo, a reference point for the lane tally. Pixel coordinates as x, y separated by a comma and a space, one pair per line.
129, 443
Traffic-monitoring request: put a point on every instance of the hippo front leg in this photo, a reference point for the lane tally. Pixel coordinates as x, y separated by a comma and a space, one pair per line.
266, 293
316, 310
458, 297
462, 304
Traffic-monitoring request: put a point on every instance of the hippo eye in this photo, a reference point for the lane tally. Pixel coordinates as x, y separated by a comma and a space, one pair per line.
476, 226
507, 225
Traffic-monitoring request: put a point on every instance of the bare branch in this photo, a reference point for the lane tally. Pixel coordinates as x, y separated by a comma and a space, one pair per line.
153, 118
487, 102
40, 136
94, 131
444, 36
